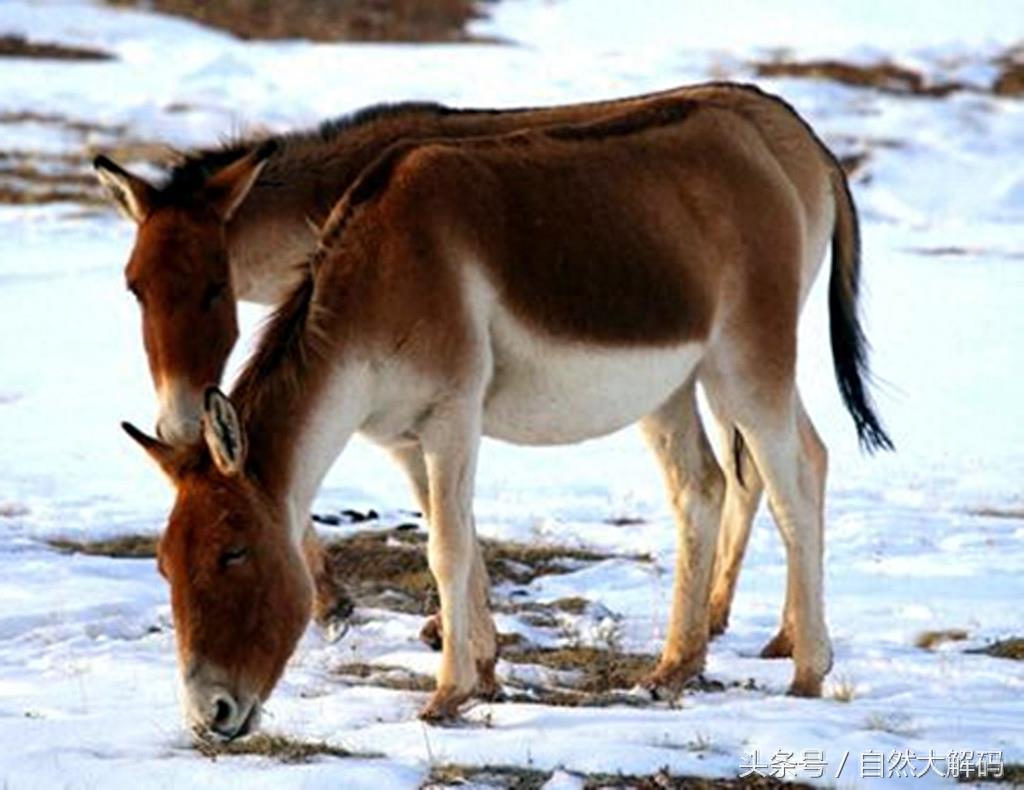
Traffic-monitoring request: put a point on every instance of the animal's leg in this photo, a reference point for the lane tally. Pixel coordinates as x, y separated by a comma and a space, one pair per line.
743, 489
793, 462
410, 458
332, 605
695, 487
450, 443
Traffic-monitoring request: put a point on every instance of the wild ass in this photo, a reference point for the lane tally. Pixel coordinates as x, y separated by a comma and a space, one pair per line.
541, 287
230, 222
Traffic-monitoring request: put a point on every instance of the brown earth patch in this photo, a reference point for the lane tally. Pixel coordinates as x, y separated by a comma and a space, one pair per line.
1011, 774
277, 747
1011, 648
21, 47
124, 546
40, 177
931, 640
516, 778
885, 76
388, 568
419, 21
386, 676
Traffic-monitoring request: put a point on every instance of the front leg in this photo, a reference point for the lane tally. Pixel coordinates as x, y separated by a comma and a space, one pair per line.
450, 443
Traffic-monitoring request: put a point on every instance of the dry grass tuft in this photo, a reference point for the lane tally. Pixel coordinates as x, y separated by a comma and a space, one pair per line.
388, 568
531, 779
386, 676
1012, 774
276, 747
21, 47
329, 20
886, 77
1011, 648
124, 546
998, 512
598, 669
932, 640
844, 690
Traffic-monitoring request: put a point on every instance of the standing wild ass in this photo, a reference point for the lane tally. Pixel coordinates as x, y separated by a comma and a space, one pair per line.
231, 222
540, 287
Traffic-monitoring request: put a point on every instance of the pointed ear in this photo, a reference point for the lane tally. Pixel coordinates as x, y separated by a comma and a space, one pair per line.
133, 195
223, 432
229, 187
167, 457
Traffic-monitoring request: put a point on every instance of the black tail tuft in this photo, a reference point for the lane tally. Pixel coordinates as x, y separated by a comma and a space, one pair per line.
849, 345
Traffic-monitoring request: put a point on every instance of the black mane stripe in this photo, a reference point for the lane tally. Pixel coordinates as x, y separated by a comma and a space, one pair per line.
197, 166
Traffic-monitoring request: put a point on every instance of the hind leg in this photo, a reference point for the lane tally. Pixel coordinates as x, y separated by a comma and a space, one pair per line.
743, 489
793, 461
332, 605
743, 492
694, 482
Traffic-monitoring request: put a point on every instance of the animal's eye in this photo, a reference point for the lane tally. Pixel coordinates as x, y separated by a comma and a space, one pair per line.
230, 557
213, 292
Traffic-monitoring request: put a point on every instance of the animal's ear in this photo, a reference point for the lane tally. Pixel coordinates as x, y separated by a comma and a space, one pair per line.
133, 195
223, 432
166, 456
229, 187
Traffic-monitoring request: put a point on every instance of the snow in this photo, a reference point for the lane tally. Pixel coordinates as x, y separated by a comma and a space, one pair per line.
88, 692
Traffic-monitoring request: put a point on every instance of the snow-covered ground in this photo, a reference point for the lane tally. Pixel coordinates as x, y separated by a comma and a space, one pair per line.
88, 694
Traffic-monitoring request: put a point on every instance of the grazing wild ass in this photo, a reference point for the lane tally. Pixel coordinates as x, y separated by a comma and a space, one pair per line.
545, 286
230, 223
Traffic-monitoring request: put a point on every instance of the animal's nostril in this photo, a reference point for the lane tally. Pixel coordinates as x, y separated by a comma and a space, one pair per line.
223, 712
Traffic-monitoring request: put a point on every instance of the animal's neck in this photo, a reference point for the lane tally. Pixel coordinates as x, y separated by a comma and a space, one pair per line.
272, 229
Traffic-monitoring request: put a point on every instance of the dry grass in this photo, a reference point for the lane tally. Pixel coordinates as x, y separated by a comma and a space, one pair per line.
998, 512
329, 20
893, 723
517, 778
36, 177
276, 747
886, 77
124, 546
386, 676
388, 568
932, 640
596, 669
20, 47
1012, 774
1011, 648
844, 690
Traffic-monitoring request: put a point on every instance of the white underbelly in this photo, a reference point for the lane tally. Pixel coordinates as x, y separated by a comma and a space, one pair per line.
551, 391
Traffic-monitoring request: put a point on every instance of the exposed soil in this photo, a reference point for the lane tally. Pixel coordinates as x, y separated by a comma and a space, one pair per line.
885, 76
1011, 648
21, 47
420, 21
277, 747
932, 640
515, 778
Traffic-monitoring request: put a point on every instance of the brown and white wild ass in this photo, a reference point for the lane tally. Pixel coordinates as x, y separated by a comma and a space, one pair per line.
541, 287
231, 221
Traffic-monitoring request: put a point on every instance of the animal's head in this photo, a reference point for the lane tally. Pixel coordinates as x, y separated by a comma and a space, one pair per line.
241, 593
179, 273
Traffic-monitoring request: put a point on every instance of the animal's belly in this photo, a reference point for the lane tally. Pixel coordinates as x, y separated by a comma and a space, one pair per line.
546, 391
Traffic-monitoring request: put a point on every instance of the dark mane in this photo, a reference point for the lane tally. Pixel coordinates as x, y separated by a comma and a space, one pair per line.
287, 345
188, 176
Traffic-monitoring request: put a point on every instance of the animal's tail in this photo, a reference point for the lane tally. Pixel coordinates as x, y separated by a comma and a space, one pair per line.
849, 345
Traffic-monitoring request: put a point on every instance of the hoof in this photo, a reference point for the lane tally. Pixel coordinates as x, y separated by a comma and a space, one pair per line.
668, 680
719, 621
443, 707
780, 646
487, 687
332, 614
805, 686
431, 634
